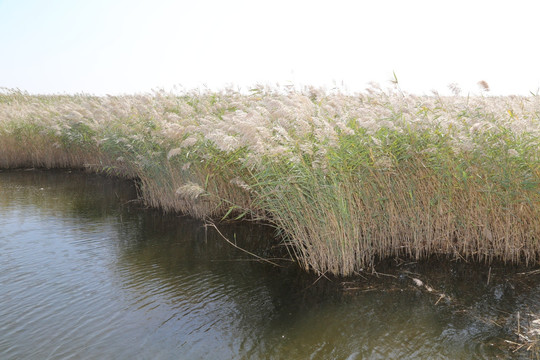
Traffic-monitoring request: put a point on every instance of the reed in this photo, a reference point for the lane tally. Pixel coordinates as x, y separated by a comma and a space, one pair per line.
347, 179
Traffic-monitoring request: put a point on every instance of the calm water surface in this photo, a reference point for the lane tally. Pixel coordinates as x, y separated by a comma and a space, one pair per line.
86, 273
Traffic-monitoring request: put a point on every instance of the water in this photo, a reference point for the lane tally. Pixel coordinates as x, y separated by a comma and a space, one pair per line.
87, 273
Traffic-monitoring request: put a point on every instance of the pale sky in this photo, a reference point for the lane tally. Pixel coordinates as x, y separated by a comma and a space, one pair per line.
127, 46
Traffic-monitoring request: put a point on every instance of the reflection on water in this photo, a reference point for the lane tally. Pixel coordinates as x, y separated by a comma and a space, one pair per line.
86, 273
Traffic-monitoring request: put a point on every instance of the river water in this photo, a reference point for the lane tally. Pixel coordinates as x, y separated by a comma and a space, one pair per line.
87, 273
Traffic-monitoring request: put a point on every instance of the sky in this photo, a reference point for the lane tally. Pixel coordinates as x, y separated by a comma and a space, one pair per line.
135, 46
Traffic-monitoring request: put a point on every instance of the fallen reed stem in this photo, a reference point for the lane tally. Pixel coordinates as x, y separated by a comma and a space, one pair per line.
212, 225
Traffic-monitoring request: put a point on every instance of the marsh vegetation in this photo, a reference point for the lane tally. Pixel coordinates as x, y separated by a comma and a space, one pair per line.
346, 179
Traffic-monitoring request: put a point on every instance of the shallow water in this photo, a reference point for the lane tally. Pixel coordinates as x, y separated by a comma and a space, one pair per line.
86, 272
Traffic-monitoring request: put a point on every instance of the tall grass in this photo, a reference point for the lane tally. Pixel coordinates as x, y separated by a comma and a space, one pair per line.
347, 179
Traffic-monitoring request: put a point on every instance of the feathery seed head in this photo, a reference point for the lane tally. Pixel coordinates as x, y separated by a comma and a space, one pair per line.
190, 191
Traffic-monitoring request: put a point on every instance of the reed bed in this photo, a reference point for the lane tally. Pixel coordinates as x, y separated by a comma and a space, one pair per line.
346, 179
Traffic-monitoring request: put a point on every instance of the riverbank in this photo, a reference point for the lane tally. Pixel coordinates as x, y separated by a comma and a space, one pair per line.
346, 179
